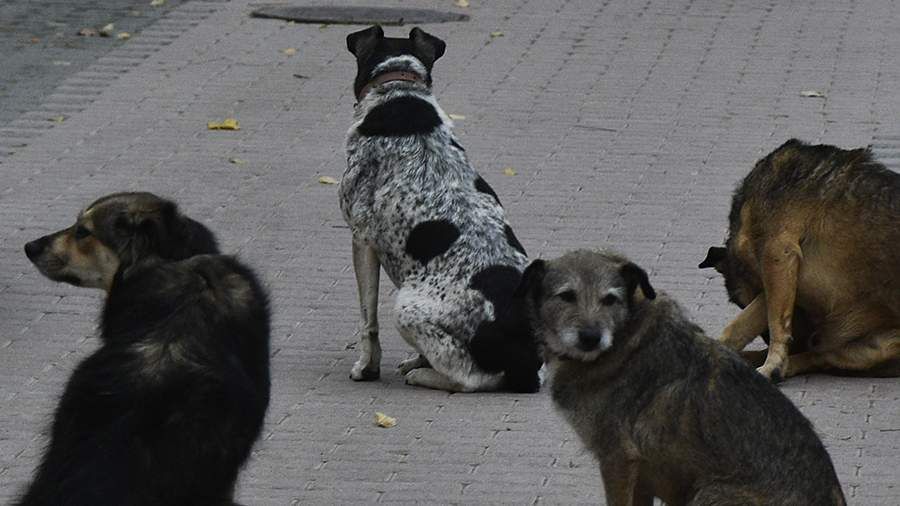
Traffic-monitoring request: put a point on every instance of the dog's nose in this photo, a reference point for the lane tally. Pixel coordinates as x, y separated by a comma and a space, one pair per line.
34, 248
589, 339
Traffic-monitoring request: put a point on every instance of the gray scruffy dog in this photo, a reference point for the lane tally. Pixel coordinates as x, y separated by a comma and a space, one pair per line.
668, 412
417, 207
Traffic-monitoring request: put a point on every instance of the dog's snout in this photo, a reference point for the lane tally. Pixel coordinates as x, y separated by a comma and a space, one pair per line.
34, 248
589, 339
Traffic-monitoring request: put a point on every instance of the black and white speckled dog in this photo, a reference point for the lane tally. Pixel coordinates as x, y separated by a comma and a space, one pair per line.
417, 207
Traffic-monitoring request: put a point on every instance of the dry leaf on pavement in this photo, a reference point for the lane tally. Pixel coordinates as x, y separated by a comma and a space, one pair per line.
812, 94
107, 30
291, 51
327, 180
123, 36
456, 117
237, 161
494, 35
462, 3
385, 421
88, 32
509, 171
157, 3
225, 124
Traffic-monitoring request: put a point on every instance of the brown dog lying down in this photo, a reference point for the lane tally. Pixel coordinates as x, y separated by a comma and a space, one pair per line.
813, 259
667, 411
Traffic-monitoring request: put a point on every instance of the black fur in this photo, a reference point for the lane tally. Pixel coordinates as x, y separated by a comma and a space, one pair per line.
635, 276
483, 186
401, 116
371, 47
512, 240
166, 411
507, 343
430, 239
714, 257
532, 279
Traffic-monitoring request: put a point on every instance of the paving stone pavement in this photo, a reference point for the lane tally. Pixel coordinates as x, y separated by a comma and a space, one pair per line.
628, 124
40, 45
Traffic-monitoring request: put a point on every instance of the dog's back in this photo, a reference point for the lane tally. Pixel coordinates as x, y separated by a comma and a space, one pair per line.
845, 208
167, 410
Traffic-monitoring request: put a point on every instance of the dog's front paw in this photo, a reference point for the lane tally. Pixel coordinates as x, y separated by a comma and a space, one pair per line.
363, 372
772, 370
417, 362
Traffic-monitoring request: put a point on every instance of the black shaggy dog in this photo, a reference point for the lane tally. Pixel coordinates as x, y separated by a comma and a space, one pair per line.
167, 410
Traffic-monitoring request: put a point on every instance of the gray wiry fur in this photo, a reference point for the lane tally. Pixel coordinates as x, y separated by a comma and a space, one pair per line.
391, 184
667, 411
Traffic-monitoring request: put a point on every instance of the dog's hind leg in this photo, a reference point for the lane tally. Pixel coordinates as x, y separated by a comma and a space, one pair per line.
780, 267
877, 356
416, 362
425, 324
368, 270
750, 323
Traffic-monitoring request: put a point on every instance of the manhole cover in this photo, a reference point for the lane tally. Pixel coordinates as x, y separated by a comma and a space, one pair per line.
355, 15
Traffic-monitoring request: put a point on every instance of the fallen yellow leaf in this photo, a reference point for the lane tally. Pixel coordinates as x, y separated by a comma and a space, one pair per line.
456, 117
123, 36
509, 171
462, 3
87, 32
226, 124
291, 51
107, 30
57, 119
157, 3
494, 35
812, 94
237, 161
327, 180
385, 421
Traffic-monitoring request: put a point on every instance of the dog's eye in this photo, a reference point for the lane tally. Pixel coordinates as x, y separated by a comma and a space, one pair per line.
568, 295
609, 299
81, 232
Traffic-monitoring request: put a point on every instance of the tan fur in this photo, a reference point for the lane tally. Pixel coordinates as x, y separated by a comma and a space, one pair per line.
829, 252
86, 259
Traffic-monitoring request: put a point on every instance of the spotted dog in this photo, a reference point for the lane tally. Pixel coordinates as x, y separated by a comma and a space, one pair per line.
417, 208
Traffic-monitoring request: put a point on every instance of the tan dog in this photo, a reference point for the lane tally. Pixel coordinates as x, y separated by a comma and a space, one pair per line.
812, 259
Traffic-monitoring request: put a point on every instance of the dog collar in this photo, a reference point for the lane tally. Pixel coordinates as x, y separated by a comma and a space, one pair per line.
396, 75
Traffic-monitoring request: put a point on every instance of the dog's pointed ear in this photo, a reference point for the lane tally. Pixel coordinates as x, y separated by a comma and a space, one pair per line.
714, 257
531, 281
361, 42
428, 48
635, 276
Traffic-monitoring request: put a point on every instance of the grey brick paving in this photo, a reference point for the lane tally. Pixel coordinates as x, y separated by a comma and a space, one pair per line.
628, 124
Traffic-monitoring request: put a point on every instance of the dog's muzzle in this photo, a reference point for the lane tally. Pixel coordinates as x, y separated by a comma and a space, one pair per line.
34, 248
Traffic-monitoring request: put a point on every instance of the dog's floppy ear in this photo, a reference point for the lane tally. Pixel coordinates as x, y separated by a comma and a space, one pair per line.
531, 281
714, 257
161, 231
145, 229
428, 48
635, 276
362, 42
